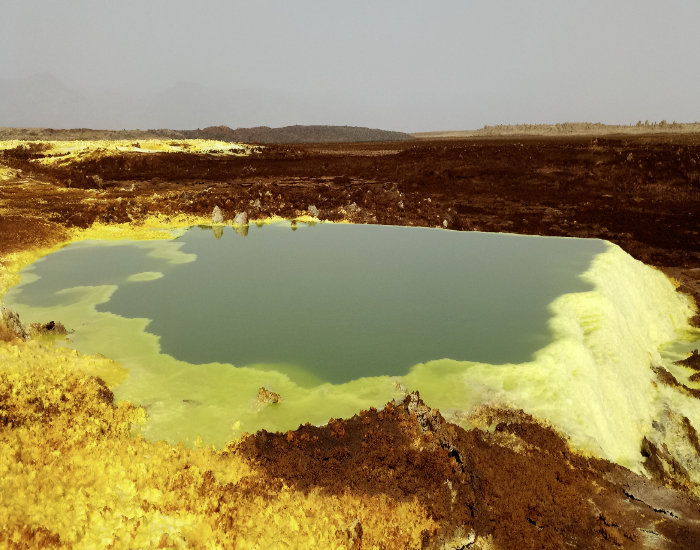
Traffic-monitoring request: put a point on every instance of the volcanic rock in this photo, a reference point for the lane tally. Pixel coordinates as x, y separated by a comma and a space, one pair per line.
266, 396
49, 329
241, 219
11, 320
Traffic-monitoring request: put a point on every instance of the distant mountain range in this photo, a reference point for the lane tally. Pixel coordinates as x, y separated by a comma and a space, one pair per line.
259, 134
297, 134
43, 101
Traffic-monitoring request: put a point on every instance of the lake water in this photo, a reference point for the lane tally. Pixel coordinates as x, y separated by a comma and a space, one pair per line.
323, 314
339, 301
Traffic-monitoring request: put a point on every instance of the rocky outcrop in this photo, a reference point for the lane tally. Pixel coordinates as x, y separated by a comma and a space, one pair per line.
10, 319
266, 396
10, 325
241, 219
49, 329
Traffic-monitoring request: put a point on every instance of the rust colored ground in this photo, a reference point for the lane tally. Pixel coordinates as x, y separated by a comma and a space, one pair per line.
517, 484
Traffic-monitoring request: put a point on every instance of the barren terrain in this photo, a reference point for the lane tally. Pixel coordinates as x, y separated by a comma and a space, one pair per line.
517, 485
568, 129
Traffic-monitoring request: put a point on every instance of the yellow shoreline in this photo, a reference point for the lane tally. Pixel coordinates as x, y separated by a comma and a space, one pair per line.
86, 478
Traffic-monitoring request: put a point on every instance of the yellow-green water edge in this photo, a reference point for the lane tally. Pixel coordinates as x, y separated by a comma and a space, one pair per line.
593, 382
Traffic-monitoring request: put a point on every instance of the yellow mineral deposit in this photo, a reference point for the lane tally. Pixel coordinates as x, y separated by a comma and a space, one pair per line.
59, 153
79, 467
71, 467
74, 467
594, 382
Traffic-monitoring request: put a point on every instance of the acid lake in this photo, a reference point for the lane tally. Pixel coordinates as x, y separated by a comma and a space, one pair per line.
337, 302
332, 317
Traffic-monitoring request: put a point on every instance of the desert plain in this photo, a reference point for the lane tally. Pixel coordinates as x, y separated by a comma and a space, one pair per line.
76, 474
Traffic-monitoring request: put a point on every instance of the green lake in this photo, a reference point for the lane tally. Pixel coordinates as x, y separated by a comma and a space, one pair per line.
324, 314
339, 301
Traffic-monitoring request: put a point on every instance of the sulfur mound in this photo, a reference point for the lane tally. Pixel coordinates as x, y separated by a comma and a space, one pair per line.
217, 216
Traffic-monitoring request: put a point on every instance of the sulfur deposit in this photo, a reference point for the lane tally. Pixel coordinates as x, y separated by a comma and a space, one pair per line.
73, 475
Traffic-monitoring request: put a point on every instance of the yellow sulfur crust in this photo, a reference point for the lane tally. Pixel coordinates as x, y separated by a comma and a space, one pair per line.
58, 153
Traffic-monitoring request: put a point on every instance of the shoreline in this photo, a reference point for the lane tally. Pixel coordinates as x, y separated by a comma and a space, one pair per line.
564, 347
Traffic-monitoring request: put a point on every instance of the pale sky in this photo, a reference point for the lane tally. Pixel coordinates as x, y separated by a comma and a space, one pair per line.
400, 65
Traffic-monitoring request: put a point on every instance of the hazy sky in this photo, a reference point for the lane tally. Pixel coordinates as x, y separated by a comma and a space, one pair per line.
414, 65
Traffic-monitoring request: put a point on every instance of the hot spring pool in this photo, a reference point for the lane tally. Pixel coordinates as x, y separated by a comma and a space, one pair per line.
333, 318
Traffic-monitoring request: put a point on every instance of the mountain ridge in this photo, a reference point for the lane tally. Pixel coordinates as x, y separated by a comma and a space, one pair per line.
43, 101
258, 134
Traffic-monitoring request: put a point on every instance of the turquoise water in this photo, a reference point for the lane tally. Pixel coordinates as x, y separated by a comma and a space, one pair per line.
335, 302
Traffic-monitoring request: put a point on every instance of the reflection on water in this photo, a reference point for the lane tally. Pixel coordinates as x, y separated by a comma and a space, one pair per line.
338, 301
242, 230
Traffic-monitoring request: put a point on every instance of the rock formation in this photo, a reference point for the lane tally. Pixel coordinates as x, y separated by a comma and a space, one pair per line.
49, 329
241, 219
11, 320
266, 396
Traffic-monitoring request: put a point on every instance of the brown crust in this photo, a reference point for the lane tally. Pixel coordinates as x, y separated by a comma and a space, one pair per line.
543, 495
576, 187
692, 361
668, 379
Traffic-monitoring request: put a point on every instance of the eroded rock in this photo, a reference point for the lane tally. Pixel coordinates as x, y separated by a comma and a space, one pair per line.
266, 397
428, 419
11, 320
217, 216
240, 219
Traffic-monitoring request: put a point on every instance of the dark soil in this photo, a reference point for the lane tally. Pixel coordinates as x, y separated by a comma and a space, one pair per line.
520, 484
